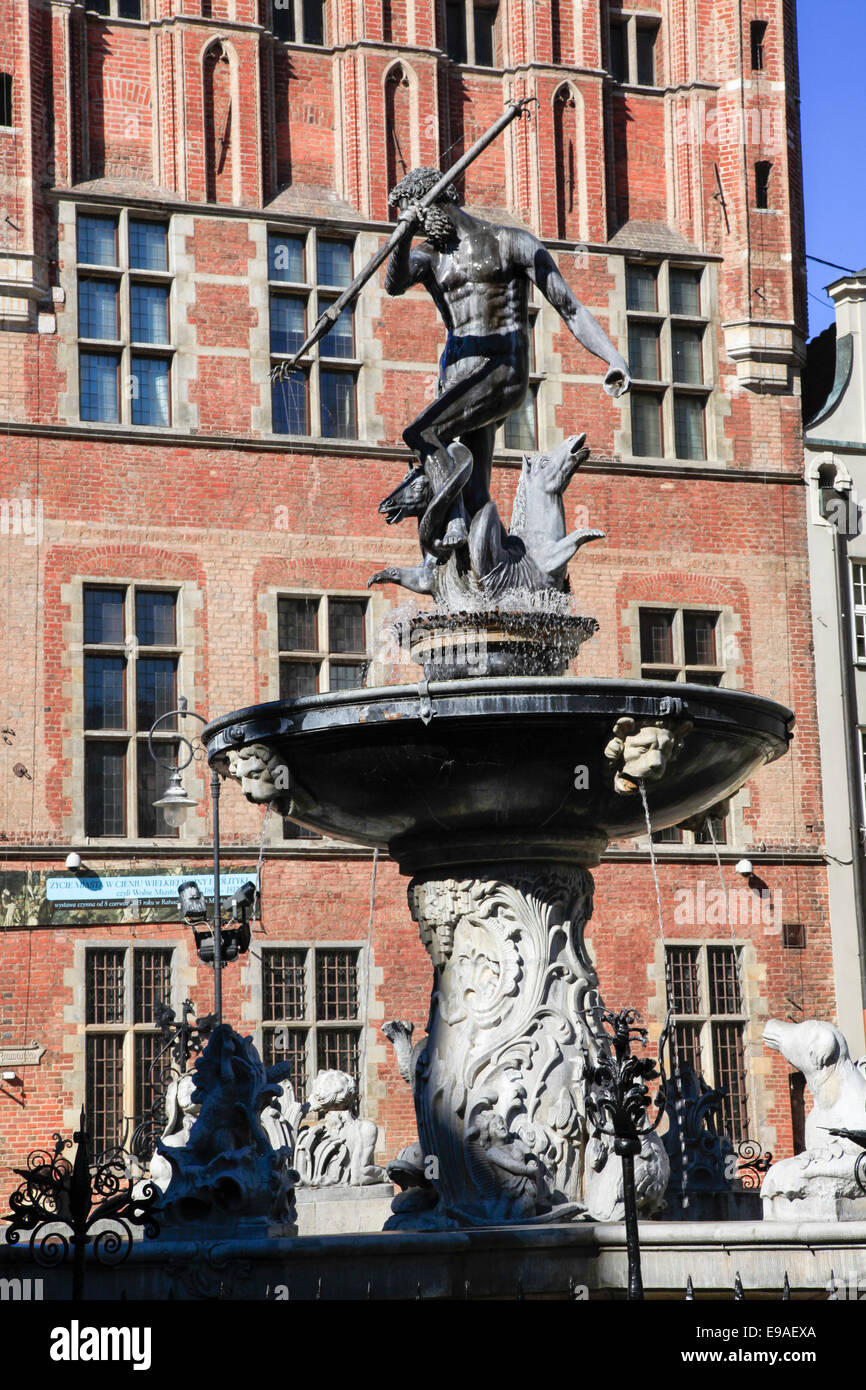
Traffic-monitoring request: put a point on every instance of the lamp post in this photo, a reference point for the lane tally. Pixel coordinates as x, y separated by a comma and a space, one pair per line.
174, 804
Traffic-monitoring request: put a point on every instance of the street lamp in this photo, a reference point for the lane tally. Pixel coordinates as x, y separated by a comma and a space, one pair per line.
174, 801
175, 804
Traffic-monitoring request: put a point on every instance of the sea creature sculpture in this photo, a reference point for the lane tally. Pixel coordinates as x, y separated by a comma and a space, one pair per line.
531, 557
824, 1182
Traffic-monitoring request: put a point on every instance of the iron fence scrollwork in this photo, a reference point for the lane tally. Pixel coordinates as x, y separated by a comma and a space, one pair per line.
65, 1207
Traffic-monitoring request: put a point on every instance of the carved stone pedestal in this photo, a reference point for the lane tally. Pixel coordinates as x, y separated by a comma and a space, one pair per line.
500, 1081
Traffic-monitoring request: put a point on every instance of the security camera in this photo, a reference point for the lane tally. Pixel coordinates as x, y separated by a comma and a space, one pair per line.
192, 904
243, 901
745, 867
73, 862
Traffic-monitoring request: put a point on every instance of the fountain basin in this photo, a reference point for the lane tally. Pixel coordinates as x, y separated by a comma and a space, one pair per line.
500, 768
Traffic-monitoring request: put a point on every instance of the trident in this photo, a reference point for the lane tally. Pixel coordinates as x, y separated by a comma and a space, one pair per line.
327, 320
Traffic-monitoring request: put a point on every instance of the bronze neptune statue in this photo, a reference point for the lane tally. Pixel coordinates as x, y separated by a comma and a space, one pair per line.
479, 276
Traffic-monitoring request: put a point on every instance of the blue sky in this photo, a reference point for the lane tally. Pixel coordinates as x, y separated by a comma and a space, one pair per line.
833, 94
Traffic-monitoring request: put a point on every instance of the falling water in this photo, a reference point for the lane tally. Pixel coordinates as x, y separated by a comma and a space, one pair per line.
680, 1102
259, 865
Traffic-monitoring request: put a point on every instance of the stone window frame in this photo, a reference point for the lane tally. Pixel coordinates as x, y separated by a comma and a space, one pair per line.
255, 982
861, 748
728, 628
323, 653
128, 1027
312, 363
666, 386
114, 11
135, 739
189, 600
858, 609
469, 8
184, 984
829, 472
755, 1007
124, 346
707, 1020
269, 673
296, 9
631, 21
651, 670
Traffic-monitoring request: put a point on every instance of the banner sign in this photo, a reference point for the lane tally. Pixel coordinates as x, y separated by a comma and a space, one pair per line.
31, 898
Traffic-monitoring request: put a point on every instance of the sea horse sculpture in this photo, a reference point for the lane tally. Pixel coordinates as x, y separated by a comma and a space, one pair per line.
531, 557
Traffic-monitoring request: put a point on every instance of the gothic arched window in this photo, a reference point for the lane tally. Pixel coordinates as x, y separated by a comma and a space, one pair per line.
398, 126
564, 133
218, 122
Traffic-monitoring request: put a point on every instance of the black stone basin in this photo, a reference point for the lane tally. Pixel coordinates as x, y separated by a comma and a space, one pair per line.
458, 771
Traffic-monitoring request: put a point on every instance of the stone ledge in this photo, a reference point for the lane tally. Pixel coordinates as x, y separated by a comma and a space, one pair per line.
537, 1261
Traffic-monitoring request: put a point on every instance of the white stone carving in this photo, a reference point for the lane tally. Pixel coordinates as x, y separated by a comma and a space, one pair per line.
264, 778
339, 1148
181, 1113
828, 1181
643, 752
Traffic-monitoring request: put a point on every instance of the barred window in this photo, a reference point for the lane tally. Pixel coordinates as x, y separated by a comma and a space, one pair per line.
666, 332
705, 994
757, 36
311, 1011
123, 986
683, 971
131, 662
124, 319
307, 272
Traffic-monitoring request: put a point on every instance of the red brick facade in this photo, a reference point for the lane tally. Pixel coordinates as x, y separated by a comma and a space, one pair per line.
197, 115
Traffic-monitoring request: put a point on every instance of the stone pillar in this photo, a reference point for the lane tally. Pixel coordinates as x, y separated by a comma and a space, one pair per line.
499, 1081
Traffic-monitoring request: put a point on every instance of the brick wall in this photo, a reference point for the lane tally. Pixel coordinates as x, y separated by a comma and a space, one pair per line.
115, 114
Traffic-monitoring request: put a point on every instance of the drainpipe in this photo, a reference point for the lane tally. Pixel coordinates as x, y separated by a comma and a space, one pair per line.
852, 752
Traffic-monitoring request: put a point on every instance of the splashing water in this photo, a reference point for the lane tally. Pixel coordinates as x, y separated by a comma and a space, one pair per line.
680, 1101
